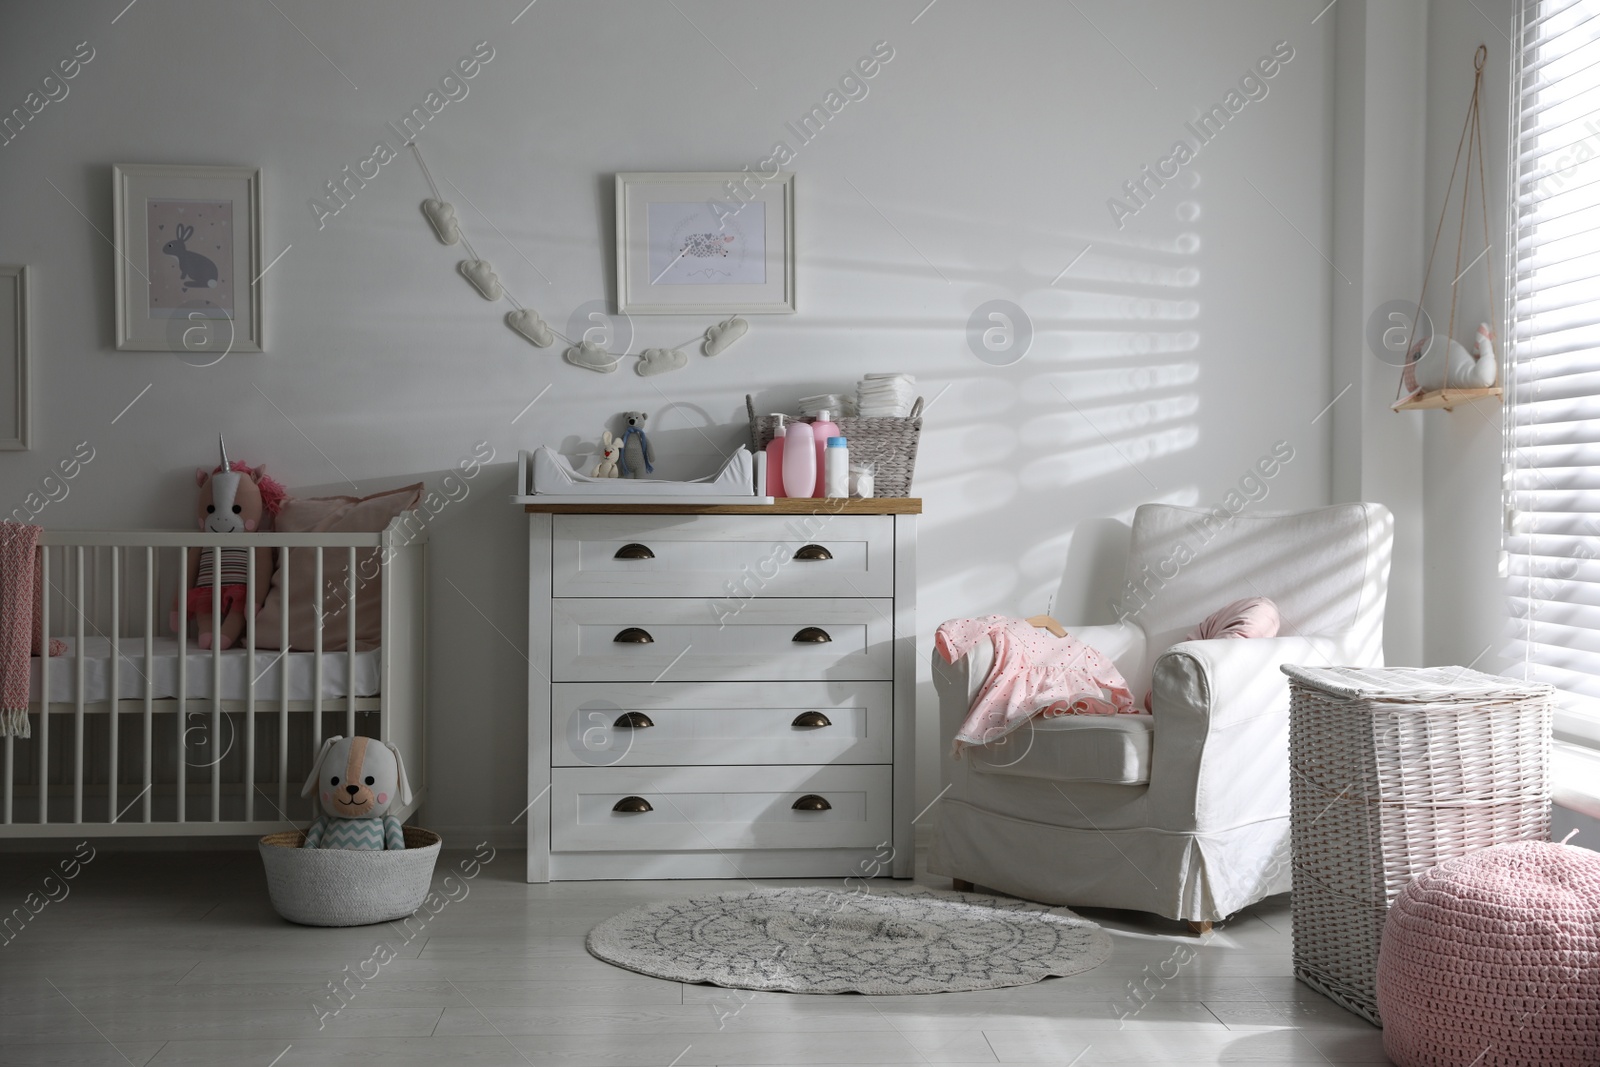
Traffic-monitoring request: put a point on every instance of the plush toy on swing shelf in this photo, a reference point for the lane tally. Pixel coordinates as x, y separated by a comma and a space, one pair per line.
234, 498
358, 781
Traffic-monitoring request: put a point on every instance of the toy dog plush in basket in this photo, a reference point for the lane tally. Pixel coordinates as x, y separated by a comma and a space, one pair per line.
358, 781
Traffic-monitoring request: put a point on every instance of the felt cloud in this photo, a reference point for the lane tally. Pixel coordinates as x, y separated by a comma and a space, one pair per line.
591, 356
723, 334
482, 277
660, 360
527, 322
442, 217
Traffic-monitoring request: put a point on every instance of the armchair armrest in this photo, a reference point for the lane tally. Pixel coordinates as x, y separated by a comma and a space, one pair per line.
1222, 729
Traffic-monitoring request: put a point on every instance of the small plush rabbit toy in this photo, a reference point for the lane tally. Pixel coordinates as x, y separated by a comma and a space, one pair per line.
358, 781
610, 452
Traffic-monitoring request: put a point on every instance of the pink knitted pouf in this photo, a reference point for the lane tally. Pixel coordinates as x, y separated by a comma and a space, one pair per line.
1493, 960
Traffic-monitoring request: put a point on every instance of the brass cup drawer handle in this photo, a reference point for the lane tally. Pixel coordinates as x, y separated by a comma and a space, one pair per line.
812, 635
634, 550
811, 720
633, 720
633, 635
812, 552
812, 802
632, 805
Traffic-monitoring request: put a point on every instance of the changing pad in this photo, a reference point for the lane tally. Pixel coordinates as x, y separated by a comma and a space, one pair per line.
553, 476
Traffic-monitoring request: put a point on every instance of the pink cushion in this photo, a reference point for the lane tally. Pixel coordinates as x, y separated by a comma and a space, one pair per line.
1494, 958
331, 514
1252, 617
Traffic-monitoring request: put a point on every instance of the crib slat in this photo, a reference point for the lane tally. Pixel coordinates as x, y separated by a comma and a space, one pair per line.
216, 684
249, 775
93, 599
44, 690
283, 688
9, 739
183, 683
350, 652
77, 707
115, 711
150, 586
316, 673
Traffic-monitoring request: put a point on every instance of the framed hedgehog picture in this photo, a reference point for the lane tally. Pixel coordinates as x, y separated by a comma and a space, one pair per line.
705, 243
188, 259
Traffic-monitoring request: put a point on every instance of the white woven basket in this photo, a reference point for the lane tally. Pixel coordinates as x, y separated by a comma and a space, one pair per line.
347, 887
1393, 771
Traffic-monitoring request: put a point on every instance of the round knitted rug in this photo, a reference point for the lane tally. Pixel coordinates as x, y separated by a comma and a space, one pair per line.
882, 942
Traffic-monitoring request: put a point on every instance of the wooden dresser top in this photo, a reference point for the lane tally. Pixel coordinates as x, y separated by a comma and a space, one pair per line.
782, 506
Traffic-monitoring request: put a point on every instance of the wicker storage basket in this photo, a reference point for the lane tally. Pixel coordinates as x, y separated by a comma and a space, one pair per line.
890, 444
1393, 771
347, 887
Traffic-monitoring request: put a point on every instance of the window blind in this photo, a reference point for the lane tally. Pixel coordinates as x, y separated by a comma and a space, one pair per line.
1552, 438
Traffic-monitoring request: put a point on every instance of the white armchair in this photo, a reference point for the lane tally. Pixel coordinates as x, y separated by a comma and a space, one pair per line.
1184, 812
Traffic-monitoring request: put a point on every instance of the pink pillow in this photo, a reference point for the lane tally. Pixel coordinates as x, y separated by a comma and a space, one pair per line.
1252, 617
331, 514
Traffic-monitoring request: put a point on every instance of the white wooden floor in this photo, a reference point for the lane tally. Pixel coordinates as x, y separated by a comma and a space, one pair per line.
177, 958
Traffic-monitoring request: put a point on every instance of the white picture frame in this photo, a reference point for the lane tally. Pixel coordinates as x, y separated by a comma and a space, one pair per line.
188, 258
16, 361
705, 243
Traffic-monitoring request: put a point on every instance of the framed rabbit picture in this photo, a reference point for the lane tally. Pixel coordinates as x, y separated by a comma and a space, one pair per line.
188, 262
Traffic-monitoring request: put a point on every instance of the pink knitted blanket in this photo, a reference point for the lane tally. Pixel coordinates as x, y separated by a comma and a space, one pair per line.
21, 606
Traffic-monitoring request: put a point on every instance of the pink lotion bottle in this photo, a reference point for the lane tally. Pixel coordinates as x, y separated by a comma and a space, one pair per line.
799, 461
775, 458
823, 428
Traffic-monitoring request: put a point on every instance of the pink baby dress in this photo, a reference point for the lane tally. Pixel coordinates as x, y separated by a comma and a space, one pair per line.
1034, 673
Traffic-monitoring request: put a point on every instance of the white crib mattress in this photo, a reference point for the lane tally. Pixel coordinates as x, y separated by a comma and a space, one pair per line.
163, 672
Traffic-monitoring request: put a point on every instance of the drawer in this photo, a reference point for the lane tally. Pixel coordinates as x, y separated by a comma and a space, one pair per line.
629, 724
735, 557
703, 808
665, 639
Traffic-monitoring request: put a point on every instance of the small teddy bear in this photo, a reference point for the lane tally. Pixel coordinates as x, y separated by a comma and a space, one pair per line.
610, 452
638, 458
358, 781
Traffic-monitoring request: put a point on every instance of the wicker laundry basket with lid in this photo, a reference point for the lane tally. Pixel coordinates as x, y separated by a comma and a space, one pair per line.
1394, 770
347, 887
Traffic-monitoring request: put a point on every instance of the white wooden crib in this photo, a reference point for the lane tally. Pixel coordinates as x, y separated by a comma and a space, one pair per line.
136, 731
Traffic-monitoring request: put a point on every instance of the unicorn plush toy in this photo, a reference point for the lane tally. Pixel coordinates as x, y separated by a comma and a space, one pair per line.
234, 498
358, 782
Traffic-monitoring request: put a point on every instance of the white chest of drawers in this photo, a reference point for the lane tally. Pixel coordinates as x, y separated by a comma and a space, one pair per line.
721, 691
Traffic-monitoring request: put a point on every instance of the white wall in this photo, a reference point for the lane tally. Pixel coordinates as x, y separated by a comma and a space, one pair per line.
1461, 468
1377, 179
978, 167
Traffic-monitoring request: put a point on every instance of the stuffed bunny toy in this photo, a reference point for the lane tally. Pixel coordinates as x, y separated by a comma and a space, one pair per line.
234, 498
198, 271
610, 452
1455, 367
358, 782
638, 458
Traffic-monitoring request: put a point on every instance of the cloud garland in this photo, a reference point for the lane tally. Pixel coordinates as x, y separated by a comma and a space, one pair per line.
528, 324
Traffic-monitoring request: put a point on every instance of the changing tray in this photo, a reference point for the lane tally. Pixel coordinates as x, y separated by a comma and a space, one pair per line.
544, 475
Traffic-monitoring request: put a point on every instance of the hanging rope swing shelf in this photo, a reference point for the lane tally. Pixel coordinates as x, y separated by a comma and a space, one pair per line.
1416, 397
